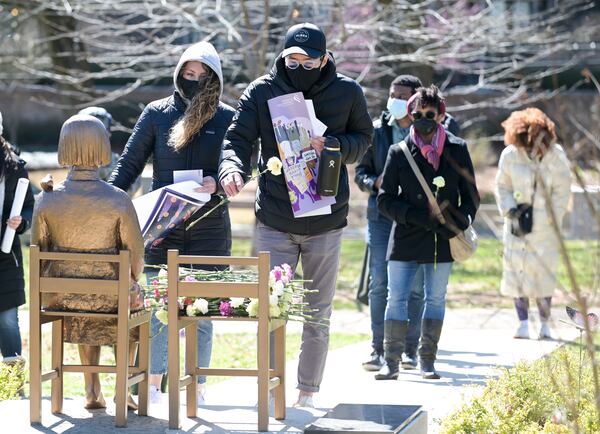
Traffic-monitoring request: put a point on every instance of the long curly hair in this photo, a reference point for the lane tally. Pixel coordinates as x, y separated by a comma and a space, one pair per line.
523, 127
201, 109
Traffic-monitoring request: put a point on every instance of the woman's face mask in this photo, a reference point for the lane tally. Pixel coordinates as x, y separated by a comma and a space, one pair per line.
424, 121
191, 88
397, 107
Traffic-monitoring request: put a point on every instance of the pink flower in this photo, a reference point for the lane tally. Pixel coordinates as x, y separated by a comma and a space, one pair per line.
189, 278
287, 269
277, 273
225, 308
154, 282
157, 293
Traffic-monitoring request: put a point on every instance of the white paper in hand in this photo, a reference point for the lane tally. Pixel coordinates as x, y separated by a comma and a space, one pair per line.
188, 175
17, 206
319, 127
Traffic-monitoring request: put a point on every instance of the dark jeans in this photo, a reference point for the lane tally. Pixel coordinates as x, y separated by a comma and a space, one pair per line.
378, 235
10, 336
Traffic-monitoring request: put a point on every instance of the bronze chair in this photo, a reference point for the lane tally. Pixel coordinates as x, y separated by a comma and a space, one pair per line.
269, 378
125, 322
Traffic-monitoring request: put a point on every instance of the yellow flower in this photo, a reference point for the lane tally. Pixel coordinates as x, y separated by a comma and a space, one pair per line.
163, 316
274, 166
252, 308
439, 181
518, 196
274, 311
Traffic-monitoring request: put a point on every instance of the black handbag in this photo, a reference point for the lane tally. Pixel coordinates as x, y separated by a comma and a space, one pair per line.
521, 222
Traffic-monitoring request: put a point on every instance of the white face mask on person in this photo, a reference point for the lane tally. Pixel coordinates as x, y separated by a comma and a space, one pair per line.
397, 107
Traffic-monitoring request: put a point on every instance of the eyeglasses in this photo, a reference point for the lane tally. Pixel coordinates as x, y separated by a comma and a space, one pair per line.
418, 115
306, 64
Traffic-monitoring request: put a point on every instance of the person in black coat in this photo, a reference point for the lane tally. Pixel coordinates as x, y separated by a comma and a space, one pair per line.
181, 132
303, 66
12, 290
419, 241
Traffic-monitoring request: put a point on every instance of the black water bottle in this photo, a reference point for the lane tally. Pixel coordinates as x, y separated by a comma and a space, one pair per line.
329, 168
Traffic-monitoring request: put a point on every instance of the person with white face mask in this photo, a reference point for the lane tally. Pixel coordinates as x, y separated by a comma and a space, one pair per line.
391, 127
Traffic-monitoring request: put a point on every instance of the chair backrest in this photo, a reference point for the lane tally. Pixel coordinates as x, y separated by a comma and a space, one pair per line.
258, 290
64, 285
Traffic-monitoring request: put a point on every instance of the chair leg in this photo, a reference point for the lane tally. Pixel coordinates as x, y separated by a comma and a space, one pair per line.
263, 376
279, 391
122, 376
35, 367
173, 331
191, 363
144, 364
57, 362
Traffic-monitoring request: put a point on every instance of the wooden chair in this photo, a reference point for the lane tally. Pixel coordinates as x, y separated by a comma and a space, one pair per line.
268, 378
125, 322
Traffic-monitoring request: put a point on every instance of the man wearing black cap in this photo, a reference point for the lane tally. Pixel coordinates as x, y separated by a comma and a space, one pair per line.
303, 66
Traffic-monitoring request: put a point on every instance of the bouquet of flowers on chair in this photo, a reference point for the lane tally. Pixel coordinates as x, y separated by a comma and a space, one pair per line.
286, 295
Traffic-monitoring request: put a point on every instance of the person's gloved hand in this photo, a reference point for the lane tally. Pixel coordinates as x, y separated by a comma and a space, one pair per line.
445, 232
421, 218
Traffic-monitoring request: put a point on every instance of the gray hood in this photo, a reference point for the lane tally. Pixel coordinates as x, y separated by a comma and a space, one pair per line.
201, 52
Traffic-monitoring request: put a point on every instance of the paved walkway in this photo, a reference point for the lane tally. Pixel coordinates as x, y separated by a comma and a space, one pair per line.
475, 342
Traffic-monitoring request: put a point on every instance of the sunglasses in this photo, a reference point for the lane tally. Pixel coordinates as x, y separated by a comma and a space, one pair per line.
306, 64
419, 115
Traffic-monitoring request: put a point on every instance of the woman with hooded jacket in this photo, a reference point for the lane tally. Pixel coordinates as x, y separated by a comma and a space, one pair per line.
533, 171
182, 132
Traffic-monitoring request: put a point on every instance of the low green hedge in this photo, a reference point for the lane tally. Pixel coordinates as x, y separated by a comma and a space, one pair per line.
12, 380
533, 397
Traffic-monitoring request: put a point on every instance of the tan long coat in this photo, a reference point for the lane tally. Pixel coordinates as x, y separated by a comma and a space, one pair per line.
85, 214
530, 263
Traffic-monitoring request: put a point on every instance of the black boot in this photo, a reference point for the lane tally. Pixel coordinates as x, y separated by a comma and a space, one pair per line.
394, 335
430, 336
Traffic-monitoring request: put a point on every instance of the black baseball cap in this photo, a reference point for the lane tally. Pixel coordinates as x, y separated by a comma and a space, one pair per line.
305, 38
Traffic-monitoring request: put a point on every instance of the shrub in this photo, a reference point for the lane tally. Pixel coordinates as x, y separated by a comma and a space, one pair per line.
12, 380
532, 397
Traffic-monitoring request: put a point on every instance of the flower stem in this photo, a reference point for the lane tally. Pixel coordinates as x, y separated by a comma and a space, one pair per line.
223, 201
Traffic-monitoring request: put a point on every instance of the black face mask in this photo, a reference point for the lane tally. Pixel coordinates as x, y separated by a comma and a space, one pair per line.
425, 126
191, 88
302, 80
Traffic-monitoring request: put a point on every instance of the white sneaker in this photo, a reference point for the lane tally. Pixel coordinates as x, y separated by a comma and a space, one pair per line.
305, 401
523, 330
155, 395
545, 332
201, 395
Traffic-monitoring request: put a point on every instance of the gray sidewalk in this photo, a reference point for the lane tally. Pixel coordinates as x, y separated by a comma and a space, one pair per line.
475, 342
